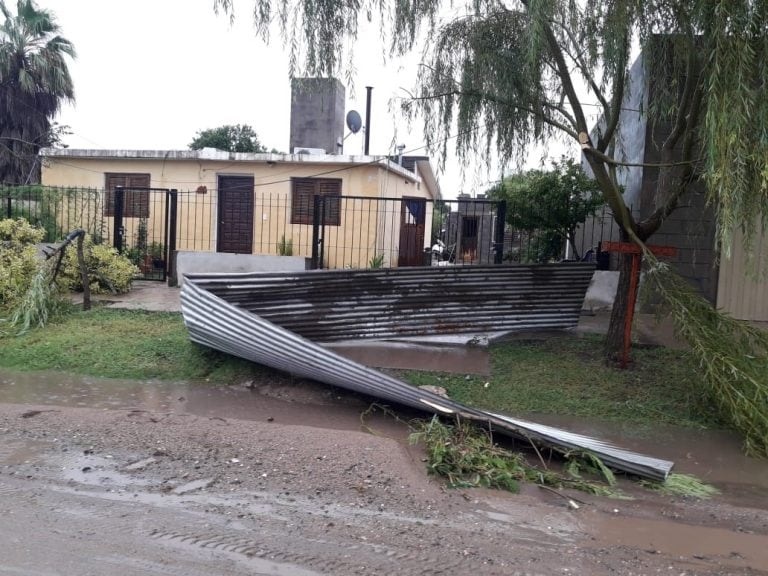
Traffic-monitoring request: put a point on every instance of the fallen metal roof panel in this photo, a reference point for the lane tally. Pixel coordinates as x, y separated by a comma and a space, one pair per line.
331, 305
212, 321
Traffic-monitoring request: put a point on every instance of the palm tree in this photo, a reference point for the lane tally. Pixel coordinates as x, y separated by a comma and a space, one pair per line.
34, 81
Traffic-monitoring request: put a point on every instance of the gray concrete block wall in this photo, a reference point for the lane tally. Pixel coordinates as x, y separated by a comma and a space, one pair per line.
205, 262
317, 114
690, 228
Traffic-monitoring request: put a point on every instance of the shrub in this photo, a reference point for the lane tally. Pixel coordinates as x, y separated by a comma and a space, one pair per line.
376, 261
285, 247
108, 271
18, 259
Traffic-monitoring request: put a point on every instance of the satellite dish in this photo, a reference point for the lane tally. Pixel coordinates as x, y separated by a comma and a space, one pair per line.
354, 122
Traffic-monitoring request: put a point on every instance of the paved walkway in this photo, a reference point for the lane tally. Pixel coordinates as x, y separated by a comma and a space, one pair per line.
152, 296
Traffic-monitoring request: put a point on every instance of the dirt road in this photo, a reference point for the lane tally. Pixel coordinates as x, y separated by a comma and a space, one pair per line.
149, 488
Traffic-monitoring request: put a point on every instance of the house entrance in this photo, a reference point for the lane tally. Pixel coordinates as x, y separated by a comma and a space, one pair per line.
235, 210
412, 219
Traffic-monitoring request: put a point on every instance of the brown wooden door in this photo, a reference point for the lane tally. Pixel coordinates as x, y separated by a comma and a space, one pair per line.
235, 229
413, 213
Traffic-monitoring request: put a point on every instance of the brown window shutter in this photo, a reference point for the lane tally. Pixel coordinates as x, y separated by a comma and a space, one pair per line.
112, 181
136, 203
303, 195
331, 190
302, 204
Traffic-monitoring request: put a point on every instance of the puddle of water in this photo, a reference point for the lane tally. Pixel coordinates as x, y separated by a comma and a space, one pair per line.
683, 540
415, 356
714, 456
196, 398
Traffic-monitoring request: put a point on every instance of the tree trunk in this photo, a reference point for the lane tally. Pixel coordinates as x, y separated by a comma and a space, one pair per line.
83, 272
614, 341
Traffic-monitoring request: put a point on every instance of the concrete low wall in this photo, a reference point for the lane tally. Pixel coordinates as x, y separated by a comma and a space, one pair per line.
602, 291
193, 262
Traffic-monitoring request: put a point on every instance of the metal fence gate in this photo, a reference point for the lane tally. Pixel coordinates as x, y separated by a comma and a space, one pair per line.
365, 232
144, 227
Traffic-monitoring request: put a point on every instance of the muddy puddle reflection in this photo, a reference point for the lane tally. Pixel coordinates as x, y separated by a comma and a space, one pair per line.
310, 404
715, 456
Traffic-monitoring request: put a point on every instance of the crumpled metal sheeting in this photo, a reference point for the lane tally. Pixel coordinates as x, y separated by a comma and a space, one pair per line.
630, 462
215, 323
332, 305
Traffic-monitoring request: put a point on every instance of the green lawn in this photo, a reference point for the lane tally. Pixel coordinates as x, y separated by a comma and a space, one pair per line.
117, 344
560, 375
568, 376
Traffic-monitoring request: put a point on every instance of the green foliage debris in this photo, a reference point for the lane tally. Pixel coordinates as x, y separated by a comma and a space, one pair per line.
18, 260
731, 356
683, 485
467, 456
108, 271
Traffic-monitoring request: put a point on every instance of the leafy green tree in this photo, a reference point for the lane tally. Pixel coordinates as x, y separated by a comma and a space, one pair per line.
237, 138
552, 203
508, 75
34, 81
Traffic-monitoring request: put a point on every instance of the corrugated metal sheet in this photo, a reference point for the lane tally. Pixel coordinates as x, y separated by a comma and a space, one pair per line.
213, 321
332, 305
742, 289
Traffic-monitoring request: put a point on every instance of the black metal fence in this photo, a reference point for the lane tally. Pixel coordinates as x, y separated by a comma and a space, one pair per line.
364, 232
589, 236
135, 221
57, 210
149, 224
143, 223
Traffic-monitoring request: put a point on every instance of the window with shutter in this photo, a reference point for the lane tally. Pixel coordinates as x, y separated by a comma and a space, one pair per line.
303, 194
136, 201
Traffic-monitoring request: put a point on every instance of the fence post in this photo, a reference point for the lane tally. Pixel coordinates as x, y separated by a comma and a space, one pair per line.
9, 206
170, 258
498, 241
315, 232
117, 224
322, 231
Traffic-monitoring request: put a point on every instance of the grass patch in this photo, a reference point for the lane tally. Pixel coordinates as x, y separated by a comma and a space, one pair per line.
565, 375
557, 376
569, 376
119, 344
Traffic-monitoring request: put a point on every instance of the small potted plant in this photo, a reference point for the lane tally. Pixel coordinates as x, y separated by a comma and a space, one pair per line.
157, 253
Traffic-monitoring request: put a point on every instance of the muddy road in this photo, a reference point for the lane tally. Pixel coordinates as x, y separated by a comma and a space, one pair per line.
123, 478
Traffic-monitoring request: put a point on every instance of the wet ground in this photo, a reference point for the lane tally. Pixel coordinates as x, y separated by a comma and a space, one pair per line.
119, 477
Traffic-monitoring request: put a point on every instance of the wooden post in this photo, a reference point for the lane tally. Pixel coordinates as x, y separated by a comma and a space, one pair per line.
80, 235
634, 250
83, 273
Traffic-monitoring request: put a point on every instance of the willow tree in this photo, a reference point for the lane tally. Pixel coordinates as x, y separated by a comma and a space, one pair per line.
508, 75
34, 81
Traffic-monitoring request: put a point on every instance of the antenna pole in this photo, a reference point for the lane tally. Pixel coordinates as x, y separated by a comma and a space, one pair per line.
368, 90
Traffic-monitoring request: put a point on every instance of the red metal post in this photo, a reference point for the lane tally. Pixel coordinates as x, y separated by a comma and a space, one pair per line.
634, 250
633, 282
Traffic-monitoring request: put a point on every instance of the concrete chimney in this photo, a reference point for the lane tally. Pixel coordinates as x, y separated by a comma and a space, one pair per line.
317, 114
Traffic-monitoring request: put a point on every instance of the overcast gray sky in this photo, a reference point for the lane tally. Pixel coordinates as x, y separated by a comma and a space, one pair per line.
150, 73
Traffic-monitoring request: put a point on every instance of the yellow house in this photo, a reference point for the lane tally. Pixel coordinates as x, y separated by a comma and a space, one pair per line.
374, 208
